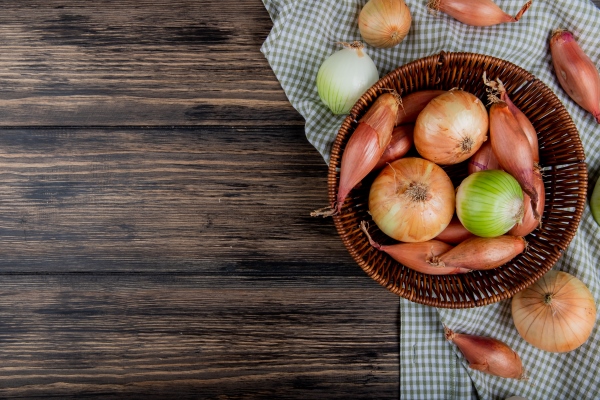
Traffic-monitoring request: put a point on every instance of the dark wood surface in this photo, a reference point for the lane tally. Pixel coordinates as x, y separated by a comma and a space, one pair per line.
155, 237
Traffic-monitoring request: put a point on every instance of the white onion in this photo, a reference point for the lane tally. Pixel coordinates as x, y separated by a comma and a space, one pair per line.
345, 76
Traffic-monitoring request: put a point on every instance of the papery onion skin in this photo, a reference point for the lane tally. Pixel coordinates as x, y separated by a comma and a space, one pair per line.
454, 233
413, 104
556, 314
576, 72
476, 12
451, 127
529, 222
345, 76
384, 23
412, 200
400, 144
488, 355
489, 203
483, 159
415, 255
479, 253
366, 144
512, 149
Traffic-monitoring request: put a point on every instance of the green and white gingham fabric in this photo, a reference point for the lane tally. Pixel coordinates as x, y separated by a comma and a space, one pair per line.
305, 33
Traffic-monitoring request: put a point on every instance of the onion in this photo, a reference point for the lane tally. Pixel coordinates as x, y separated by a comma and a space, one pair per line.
414, 103
481, 253
489, 203
512, 149
576, 72
367, 144
384, 23
412, 200
595, 202
476, 12
451, 127
401, 143
530, 222
557, 313
454, 233
345, 76
483, 159
488, 355
415, 255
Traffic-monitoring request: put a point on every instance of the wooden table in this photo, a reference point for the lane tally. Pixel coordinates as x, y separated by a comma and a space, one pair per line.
155, 236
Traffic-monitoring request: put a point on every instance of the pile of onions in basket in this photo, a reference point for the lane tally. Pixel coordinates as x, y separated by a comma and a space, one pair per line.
424, 222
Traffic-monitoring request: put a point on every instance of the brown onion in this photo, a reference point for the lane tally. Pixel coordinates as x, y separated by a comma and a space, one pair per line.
481, 253
557, 313
451, 127
384, 23
401, 143
415, 255
488, 355
412, 104
412, 200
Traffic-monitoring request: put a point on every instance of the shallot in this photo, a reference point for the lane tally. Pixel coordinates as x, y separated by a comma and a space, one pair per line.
481, 253
415, 255
576, 72
401, 143
413, 104
476, 12
488, 355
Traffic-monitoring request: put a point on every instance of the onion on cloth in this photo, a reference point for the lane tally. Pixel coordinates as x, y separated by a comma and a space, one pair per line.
557, 313
412, 200
384, 23
451, 127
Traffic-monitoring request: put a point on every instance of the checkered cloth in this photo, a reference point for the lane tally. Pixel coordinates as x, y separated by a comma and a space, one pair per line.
305, 33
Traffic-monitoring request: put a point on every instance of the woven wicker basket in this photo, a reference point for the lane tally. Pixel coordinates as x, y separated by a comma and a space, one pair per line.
565, 180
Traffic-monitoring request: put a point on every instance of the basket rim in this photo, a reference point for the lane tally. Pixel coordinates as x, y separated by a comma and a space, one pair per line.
438, 62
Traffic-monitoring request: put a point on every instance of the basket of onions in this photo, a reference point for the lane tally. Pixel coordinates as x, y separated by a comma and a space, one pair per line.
437, 199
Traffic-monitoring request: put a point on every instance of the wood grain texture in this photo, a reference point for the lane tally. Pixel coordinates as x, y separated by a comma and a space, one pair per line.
138, 63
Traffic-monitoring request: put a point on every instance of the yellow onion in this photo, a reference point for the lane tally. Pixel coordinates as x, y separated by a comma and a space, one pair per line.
384, 23
451, 127
412, 200
557, 313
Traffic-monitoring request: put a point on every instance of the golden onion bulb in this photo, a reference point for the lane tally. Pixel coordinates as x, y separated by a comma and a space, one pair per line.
384, 23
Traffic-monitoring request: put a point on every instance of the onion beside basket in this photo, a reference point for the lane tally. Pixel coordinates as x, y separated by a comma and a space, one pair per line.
561, 157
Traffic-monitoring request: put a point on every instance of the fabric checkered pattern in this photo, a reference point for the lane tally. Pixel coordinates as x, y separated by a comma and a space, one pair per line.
305, 33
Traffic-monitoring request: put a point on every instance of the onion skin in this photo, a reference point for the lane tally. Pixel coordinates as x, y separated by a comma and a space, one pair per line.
529, 222
576, 72
526, 126
479, 253
415, 255
401, 143
556, 314
488, 355
512, 149
384, 23
476, 12
367, 144
413, 104
483, 159
451, 127
412, 200
454, 233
